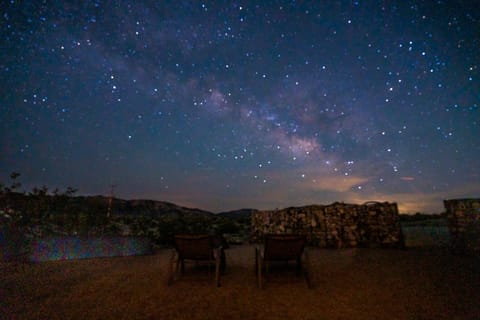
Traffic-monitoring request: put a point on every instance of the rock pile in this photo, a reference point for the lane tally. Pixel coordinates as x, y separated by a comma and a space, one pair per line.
338, 225
463, 216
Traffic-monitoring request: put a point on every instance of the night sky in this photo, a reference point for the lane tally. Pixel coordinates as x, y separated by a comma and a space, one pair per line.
242, 104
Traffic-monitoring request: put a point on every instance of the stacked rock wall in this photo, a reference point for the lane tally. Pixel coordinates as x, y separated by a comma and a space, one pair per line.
463, 216
337, 225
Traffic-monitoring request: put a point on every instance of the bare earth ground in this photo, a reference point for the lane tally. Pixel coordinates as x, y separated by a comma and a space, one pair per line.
348, 284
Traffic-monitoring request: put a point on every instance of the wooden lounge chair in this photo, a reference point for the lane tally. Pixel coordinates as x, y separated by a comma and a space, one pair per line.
282, 248
197, 248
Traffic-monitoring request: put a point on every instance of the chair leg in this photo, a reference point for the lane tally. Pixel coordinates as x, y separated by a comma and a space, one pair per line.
299, 266
182, 265
217, 257
307, 269
223, 262
170, 268
259, 270
256, 263
217, 272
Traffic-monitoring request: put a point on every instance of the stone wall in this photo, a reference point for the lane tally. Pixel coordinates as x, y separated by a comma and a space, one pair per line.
463, 216
338, 225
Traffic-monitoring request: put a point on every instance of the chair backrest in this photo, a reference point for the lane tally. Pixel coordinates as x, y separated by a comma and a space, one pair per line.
284, 246
194, 247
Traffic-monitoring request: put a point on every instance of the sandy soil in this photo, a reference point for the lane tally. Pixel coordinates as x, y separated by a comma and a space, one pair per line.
348, 284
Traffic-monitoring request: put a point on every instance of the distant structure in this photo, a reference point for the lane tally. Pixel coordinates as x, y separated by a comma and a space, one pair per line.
339, 225
110, 200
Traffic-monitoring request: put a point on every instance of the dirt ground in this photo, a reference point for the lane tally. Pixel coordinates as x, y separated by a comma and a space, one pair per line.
347, 284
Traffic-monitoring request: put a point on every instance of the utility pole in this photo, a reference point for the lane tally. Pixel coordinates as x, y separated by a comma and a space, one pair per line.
110, 200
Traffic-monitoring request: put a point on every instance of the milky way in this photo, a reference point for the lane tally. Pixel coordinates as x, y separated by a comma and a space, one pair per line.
261, 104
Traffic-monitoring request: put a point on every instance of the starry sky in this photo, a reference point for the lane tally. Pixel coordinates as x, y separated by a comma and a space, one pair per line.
223, 105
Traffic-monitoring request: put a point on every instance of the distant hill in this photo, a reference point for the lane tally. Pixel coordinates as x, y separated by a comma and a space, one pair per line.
151, 208
97, 205
237, 214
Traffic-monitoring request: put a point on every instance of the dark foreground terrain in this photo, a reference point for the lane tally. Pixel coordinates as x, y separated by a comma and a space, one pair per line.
416, 283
